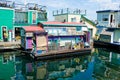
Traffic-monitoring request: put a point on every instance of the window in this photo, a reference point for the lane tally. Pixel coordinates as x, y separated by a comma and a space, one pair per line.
17, 33
42, 16
21, 17
105, 17
78, 28
73, 19
64, 29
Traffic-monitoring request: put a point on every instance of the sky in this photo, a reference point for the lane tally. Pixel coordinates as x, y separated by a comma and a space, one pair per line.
90, 5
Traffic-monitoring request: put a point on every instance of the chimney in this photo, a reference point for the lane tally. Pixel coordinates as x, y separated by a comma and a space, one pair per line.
64, 20
40, 24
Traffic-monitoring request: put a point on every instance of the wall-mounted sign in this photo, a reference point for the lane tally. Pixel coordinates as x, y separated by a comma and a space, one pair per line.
29, 34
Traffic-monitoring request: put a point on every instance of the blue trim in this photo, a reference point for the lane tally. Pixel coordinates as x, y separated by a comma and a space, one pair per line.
64, 25
67, 36
107, 11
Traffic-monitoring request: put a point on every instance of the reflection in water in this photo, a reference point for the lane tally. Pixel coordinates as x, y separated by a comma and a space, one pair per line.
100, 65
107, 65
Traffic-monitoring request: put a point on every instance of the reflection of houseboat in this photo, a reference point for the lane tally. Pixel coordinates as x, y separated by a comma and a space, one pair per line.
106, 65
7, 64
63, 69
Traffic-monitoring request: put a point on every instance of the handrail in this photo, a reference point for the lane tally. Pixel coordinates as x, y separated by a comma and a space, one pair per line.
87, 20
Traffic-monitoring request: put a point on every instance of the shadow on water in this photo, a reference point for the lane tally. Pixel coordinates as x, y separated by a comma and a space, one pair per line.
108, 49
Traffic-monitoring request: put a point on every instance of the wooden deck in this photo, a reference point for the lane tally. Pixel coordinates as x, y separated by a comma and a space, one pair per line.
9, 45
61, 54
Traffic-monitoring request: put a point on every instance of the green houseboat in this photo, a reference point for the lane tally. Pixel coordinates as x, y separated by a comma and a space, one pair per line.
14, 16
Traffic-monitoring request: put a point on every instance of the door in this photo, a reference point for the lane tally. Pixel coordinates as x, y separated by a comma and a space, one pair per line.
17, 33
111, 18
4, 34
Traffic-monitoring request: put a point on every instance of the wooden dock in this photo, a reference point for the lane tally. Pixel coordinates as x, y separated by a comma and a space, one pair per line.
9, 45
60, 54
56, 54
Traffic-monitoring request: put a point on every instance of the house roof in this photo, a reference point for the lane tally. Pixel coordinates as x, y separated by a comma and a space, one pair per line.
107, 11
50, 23
32, 28
107, 33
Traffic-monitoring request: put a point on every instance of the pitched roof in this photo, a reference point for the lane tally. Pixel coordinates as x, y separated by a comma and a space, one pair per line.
32, 28
64, 23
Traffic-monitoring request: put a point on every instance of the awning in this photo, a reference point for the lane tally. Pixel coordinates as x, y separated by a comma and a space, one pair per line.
84, 29
107, 33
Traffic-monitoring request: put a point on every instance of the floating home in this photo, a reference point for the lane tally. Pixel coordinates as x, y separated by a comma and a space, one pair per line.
65, 34
35, 39
109, 28
15, 15
108, 18
109, 38
54, 45
75, 15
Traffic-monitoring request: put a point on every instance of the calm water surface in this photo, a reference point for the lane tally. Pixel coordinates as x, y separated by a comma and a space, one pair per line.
99, 65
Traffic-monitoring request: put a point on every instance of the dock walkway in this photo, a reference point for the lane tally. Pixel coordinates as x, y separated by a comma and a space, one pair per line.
9, 45
60, 54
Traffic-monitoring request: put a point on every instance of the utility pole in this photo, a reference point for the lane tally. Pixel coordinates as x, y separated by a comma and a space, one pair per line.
119, 16
25, 2
118, 19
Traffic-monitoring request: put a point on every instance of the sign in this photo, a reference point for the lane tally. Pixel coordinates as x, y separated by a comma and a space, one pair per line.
105, 38
29, 34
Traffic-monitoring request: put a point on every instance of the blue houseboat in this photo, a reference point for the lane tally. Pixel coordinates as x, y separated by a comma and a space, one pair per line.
109, 29
67, 33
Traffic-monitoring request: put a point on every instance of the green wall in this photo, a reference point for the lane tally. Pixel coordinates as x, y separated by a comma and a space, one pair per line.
6, 70
30, 17
6, 19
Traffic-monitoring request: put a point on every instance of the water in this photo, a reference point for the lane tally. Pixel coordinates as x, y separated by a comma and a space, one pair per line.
99, 65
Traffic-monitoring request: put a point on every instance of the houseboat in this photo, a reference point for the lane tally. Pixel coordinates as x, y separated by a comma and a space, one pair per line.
15, 15
109, 38
108, 18
109, 29
53, 45
67, 33
34, 39
77, 16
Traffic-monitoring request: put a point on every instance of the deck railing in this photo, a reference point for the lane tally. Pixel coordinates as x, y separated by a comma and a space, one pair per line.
69, 11
6, 3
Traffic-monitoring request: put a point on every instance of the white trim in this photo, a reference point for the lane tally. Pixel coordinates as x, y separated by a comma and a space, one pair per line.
6, 8
110, 18
112, 37
28, 17
32, 10
13, 16
36, 17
